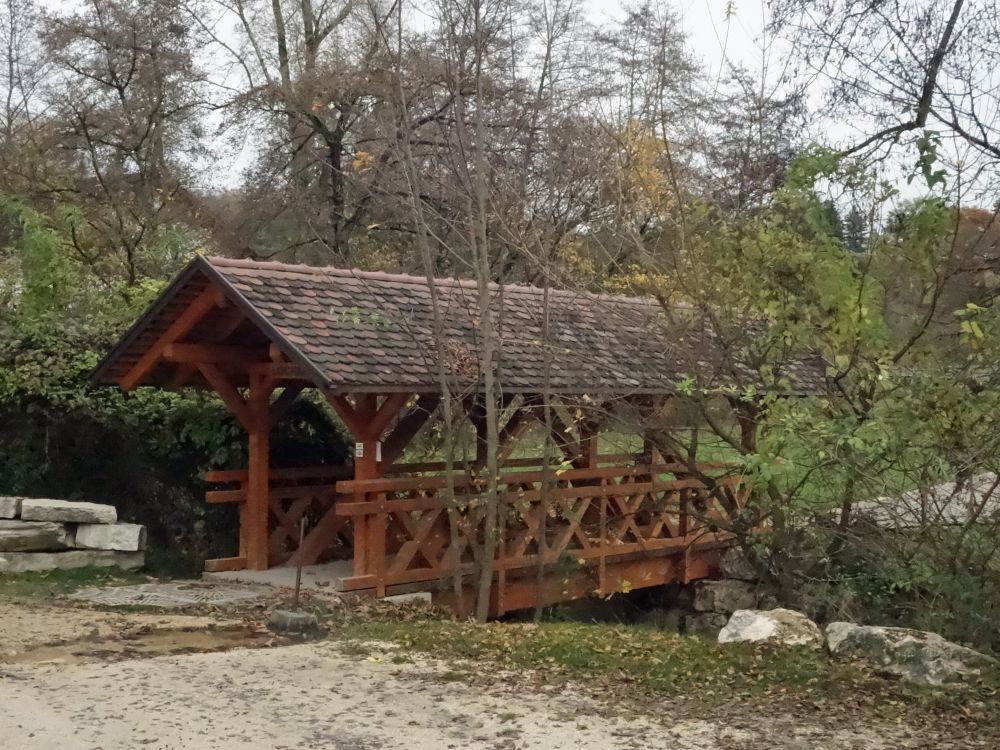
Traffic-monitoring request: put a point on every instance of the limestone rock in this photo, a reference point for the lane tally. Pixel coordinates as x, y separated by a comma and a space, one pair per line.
734, 564
782, 626
66, 511
705, 623
662, 619
27, 536
290, 621
125, 537
25, 562
914, 655
724, 596
10, 507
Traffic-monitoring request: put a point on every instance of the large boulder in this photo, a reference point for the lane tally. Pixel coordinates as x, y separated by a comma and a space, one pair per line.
10, 507
914, 655
125, 537
26, 562
782, 626
66, 511
724, 596
25, 536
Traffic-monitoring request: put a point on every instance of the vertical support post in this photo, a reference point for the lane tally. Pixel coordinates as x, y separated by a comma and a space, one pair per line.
589, 448
602, 560
253, 534
747, 415
365, 467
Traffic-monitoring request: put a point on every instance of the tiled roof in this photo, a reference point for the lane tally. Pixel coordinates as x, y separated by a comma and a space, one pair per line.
361, 330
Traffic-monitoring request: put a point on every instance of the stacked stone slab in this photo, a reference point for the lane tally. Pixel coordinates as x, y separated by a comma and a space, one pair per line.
43, 534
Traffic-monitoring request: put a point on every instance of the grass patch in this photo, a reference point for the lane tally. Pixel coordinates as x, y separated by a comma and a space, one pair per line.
636, 659
49, 583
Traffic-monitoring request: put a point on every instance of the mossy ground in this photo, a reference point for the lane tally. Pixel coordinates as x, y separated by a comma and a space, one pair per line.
50, 583
643, 664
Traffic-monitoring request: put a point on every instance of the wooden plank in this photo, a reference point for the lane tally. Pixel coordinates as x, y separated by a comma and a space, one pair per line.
225, 475
212, 353
182, 324
403, 484
300, 473
278, 371
402, 505
225, 496
222, 564
312, 490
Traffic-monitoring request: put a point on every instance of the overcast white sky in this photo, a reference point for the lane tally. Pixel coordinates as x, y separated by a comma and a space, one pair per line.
711, 34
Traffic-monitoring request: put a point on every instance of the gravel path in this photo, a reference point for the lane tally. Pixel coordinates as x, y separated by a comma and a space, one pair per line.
303, 696
316, 696
78, 679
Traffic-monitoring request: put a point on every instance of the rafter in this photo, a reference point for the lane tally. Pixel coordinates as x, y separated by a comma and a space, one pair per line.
181, 326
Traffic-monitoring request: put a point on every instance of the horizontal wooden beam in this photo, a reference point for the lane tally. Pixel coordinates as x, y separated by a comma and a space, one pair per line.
213, 354
222, 564
226, 496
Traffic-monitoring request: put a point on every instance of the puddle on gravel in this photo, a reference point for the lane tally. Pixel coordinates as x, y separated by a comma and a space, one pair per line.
141, 645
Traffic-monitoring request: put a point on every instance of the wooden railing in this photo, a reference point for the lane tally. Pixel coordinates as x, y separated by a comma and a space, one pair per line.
294, 493
414, 531
595, 530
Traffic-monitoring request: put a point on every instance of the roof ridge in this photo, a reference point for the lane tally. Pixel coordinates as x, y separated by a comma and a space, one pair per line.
402, 278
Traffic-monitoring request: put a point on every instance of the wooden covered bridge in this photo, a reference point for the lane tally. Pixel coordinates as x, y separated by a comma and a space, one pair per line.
581, 522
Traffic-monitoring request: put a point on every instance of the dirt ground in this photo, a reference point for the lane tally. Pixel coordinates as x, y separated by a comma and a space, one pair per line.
80, 679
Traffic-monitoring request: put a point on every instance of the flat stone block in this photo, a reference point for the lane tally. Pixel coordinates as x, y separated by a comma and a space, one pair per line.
10, 507
26, 562
66, 511
125, 537
725, 596
33, 536
290, 621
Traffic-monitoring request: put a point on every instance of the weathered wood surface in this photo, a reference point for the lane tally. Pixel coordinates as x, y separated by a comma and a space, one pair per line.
595, 530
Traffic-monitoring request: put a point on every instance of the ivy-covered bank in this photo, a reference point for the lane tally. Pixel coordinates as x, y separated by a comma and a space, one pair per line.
142, 451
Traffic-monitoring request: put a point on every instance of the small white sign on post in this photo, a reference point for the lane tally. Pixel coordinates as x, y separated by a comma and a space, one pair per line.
378, 451
359, 450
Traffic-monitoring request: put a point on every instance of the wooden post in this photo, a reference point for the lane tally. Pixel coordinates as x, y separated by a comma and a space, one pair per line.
365, 467
258, 481
589, 448
367, 420
748, 416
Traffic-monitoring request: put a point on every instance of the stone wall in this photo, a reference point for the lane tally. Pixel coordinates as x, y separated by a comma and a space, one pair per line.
43, 534
704, 607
